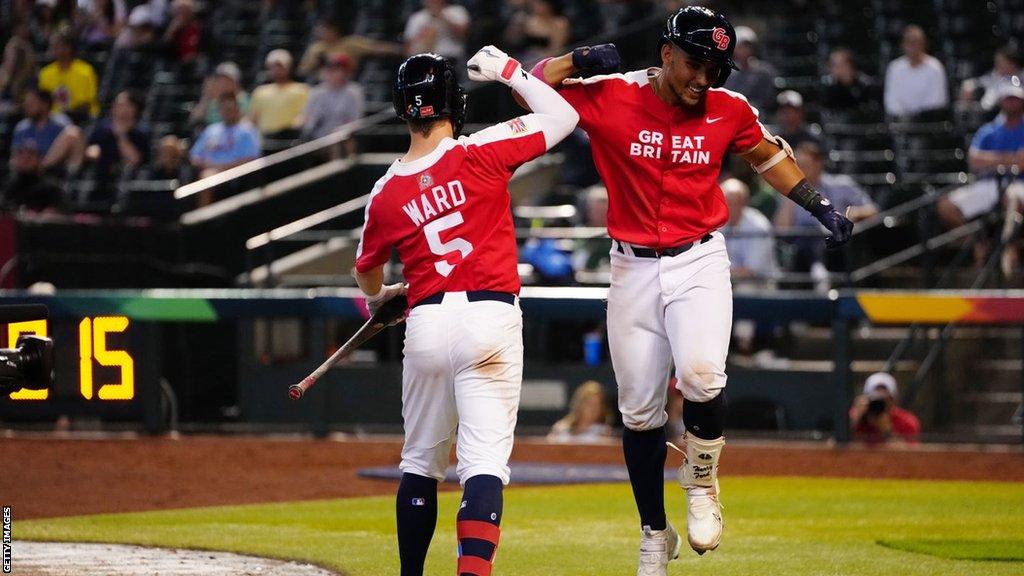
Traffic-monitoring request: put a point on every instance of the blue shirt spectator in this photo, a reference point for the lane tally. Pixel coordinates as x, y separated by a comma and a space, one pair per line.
39, 135
998, 143
748, 237
225, 144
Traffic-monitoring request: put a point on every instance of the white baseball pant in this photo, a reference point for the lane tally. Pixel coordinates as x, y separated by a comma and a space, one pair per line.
668, 309
463, 370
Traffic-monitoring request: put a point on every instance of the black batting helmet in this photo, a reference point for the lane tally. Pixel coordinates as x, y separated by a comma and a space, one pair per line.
426, 89
703, 33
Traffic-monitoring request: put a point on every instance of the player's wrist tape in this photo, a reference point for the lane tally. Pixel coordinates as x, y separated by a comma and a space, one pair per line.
809, 199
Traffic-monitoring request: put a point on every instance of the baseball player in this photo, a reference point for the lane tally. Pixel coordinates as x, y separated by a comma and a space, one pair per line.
659, 137
445, 207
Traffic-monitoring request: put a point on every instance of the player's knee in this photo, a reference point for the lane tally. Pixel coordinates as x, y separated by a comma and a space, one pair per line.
701, 381
641, 420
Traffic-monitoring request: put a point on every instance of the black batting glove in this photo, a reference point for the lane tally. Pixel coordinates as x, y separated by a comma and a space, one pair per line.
839, 227
602, 58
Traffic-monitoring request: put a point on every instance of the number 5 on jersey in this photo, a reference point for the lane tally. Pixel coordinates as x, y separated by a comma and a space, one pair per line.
433, 231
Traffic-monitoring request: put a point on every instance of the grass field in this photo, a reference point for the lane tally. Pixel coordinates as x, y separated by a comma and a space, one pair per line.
774, 526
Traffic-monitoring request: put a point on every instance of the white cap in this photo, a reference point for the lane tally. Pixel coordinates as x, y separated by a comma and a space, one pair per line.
745, 34
140, 16
880, 380
790, 98
280, 56
230, 70
1011, 88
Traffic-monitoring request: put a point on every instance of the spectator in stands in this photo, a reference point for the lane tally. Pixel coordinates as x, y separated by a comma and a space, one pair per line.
915, 82
674, 427
538, 30
875, 417
140, 34
440, 28
55, 139
184, 33
985, 88
29, 186
225, 78
100, 21
588, 418
839, 189
792, 120
169, 163
592, 254
226, 144
748, 237
71, 81
276, 108
755, 79
998, 143
845, 88
330, 41
18, 67
117, 145
333, 103
44, 24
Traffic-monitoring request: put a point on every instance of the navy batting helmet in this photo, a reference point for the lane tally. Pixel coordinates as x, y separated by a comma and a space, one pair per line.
426, 89
703, 33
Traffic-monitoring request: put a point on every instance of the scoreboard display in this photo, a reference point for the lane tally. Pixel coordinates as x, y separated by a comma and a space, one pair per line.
104, 366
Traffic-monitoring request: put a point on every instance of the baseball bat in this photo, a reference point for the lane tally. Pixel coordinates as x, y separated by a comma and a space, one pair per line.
387, 314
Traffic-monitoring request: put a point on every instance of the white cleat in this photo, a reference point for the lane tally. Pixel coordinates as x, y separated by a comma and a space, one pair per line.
699, 477
657, 549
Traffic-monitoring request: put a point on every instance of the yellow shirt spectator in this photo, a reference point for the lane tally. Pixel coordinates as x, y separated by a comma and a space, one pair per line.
73, 88
276, 107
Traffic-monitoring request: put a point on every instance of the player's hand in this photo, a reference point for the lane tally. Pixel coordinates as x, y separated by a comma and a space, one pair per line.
602, 58
386, 293
839, 227
490, 64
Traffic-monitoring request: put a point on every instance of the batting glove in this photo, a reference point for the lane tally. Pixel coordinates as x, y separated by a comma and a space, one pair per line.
490, 64
386, 293
839, 227
602, 58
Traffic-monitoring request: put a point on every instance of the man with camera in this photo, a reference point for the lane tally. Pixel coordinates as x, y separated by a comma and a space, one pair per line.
874, 416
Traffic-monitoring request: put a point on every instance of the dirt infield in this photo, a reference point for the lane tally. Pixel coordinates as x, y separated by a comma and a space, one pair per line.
45, 477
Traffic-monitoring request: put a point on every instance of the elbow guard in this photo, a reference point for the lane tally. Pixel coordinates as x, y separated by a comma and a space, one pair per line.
785, 150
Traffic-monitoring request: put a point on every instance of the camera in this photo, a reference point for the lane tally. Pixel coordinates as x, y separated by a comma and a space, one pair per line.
877, 406
30, 363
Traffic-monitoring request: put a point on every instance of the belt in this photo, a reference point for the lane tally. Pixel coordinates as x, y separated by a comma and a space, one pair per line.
641, 252
472, 296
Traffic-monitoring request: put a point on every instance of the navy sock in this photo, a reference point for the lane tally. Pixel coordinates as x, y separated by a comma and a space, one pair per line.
705, 419
416, 510
478, 524
645, 459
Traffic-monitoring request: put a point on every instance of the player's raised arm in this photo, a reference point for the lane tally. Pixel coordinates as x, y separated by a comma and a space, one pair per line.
551, 113
603, 58
773, 159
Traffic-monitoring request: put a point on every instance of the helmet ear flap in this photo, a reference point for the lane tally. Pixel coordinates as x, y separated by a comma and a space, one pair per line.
723, 75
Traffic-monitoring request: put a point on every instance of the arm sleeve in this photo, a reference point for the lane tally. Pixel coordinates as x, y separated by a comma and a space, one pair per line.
584, 99
374, 248
749, 131
891, 102
555, 117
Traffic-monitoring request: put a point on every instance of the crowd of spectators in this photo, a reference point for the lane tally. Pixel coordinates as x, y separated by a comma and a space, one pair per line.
95, 130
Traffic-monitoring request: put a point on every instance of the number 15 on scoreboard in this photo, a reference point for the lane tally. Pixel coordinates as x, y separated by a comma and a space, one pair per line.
92, 349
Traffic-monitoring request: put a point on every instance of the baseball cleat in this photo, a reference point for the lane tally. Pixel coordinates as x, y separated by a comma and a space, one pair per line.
657, 549
699, 477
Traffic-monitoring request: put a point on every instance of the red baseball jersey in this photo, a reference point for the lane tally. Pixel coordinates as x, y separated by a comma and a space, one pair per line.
660, 163
449, 213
